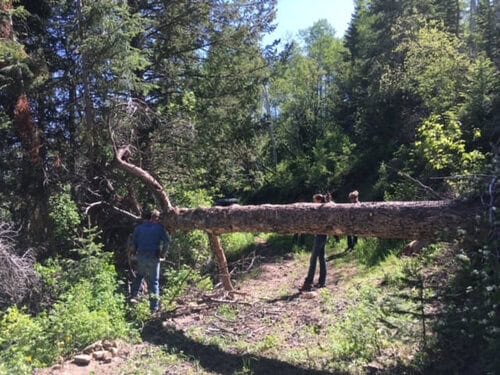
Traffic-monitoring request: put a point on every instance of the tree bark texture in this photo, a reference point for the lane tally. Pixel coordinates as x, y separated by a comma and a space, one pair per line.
218, 251
436, 220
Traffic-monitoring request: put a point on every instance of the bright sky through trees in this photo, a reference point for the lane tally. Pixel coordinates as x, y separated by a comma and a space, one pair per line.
295, 15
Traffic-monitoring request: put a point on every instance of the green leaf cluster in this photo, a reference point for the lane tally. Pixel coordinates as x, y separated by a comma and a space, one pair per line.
86, 305
63, 211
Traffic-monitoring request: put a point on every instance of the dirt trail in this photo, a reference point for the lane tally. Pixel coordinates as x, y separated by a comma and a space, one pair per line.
267, 312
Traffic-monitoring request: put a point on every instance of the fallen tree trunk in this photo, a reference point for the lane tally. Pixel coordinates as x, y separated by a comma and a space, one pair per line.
429, 220
426, 220
403, 220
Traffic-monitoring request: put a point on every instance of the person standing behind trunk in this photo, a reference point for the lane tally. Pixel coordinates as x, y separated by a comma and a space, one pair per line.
352, 240
150, 242
318, 254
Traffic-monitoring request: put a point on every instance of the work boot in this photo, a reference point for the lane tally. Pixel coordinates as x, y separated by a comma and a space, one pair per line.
306, 287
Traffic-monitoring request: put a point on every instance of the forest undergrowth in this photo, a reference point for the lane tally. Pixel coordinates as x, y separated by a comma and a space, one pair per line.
377, 314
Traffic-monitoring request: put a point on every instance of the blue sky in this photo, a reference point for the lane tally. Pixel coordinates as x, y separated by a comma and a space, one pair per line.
295, 15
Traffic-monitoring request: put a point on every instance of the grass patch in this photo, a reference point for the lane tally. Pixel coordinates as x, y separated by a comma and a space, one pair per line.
236, 245
227, 312
153, 360
372, 252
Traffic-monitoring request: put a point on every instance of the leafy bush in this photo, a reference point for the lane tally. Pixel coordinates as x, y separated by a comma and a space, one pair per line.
282, 244
88, 307
93, 302
178, 280
469, 332
83, 316
440, 141
24, 344
64, 213
190, 248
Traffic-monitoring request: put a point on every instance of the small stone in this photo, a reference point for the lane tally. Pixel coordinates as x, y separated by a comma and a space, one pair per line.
82, 359
93, 347
88, 349
373, 368
309, 295
124, 353
113, 351
100, 354
108, 360
107, 344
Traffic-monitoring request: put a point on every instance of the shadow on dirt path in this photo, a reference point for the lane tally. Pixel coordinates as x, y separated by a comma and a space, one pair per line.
284, 298
213, 359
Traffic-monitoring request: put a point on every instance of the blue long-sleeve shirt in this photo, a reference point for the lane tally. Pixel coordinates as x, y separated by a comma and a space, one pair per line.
150, 237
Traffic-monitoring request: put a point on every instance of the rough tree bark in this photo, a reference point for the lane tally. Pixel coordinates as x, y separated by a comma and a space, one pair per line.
403, 220
218, 251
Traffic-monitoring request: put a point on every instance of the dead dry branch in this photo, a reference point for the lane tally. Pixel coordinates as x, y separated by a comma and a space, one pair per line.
17, 272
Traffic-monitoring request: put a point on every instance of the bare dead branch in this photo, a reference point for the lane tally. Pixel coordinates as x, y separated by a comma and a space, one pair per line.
17, 272
419, 183
117, 209
122, 156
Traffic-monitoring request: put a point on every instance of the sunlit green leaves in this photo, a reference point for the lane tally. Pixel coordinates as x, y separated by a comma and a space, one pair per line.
64, 213
434, 67
440, 141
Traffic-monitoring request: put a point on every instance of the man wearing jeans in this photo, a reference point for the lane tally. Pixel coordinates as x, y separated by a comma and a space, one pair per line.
150, 241
352, 240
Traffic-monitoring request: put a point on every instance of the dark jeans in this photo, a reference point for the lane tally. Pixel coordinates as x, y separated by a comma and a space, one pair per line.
318, 253
351, 241
148, 267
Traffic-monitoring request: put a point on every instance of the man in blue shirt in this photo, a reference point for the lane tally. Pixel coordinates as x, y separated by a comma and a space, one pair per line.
150, 242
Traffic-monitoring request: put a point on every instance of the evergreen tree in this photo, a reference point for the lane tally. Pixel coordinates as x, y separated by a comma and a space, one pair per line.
312, 152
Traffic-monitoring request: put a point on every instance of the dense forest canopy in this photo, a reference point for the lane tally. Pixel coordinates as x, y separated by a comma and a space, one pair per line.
404, 107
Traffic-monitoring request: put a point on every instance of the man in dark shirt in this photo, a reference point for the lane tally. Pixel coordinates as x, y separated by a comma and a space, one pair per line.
150, 242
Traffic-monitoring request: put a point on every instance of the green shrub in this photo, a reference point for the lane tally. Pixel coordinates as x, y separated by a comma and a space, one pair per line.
80, 318
93, 301
64, 214
88, 306
283, 244
469, 330
24, 343
194, 198
189, 248
178, 280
